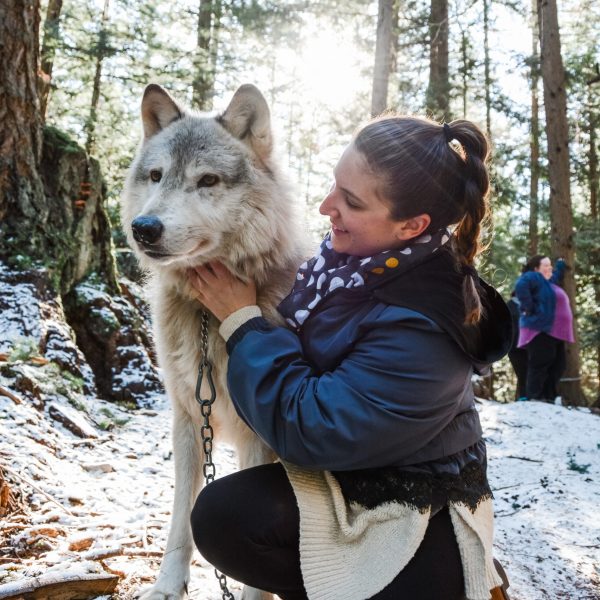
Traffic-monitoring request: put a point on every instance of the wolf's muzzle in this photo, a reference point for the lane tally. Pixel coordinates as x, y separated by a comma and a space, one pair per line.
147, 230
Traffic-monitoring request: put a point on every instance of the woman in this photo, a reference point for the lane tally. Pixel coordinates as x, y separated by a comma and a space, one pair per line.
366, 396
546, 323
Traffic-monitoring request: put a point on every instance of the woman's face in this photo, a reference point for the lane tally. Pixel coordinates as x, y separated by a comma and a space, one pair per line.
545, 267
361, 223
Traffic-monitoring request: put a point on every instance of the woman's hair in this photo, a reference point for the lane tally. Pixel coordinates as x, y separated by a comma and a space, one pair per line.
435, 169
533, 263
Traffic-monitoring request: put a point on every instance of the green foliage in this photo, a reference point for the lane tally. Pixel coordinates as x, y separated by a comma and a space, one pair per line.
23, 349
59, 139
112, 419
574, 466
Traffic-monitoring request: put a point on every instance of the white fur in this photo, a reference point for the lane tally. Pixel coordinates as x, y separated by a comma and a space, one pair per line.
249, 225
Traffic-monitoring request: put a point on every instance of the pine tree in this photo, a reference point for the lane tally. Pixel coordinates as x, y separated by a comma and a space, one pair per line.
561, 212
51, 37
438, 90
383, 55
534, 139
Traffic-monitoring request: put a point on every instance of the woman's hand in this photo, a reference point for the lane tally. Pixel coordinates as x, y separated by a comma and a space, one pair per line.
221, 291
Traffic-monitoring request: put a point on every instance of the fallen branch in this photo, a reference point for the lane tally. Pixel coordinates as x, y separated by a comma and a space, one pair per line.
525, 458
506, 487
61, 586
37, 489
9, 394
103, 553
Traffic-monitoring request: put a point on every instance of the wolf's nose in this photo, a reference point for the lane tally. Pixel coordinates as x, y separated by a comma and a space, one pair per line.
147, 230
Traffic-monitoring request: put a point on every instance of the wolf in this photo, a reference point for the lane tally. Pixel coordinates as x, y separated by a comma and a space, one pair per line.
204, 188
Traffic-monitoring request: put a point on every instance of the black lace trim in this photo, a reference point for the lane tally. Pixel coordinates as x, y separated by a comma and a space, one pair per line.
373, 487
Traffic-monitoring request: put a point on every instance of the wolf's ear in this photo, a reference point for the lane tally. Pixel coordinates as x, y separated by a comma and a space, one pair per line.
248, 118
158, 110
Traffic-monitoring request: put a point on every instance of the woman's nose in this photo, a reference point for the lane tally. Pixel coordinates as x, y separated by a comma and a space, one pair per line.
328, 204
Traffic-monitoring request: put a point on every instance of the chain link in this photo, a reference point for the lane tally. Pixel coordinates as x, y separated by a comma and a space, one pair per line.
206, 431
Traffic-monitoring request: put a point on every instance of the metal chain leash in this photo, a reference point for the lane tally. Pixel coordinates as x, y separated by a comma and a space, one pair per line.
206, 431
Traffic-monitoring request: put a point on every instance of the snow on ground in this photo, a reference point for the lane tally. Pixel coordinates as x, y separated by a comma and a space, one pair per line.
115, 491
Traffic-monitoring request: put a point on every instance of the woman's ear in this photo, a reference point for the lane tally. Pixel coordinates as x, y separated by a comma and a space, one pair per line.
413, 227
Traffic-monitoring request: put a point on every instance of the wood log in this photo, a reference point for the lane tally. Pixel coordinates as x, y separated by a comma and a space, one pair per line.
73, 420
9, 394
60, 586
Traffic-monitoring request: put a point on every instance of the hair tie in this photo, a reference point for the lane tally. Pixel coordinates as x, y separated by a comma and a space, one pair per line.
469, 270
447, 133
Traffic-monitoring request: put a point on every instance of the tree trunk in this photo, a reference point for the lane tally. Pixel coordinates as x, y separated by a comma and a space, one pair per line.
438, 90
534, 140
101, 53
594, 175
48, 50
594, 182
214, 46
465, 71
383, 57
561, 215
486, 68
21, 190
202, 84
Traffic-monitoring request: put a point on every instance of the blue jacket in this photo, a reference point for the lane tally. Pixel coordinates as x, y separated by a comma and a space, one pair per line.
367, 383
537, 298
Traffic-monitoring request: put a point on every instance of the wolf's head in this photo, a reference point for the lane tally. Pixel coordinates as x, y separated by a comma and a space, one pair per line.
203, 188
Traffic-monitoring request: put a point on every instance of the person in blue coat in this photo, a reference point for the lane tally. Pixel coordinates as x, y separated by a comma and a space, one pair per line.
366, 396
545, 325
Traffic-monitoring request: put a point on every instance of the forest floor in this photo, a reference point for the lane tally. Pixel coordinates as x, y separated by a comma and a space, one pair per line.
110, 496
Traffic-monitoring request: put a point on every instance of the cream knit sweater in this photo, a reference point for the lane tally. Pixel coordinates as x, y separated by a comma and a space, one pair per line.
349, 552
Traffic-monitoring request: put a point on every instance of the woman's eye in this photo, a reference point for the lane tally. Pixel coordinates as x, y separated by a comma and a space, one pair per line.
208, 180
155, 175
350, 202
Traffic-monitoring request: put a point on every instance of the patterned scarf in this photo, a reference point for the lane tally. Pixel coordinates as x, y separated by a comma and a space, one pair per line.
329, 270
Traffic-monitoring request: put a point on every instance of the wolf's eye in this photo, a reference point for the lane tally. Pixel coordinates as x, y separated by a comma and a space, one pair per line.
155, 175
208, 180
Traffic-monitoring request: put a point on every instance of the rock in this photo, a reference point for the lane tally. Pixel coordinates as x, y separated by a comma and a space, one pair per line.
33, 323
116, 340
72, 420
98, 468
76, 195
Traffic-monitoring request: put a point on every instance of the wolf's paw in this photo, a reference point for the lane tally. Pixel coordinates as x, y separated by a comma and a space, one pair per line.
161, 592
249, 593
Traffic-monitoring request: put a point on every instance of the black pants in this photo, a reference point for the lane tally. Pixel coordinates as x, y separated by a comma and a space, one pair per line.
247, 526
546, 363
518, 360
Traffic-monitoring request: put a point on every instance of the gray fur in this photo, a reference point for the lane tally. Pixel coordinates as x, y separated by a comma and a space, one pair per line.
248, 222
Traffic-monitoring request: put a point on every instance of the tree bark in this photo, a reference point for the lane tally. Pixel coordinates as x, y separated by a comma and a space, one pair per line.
465, 71
202, 84
101, 52
534, 139
60, 586
438, 90
21, 190
214, 47
594, 175
594, 183
486, 69
561, 215
51, 25
383, 57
